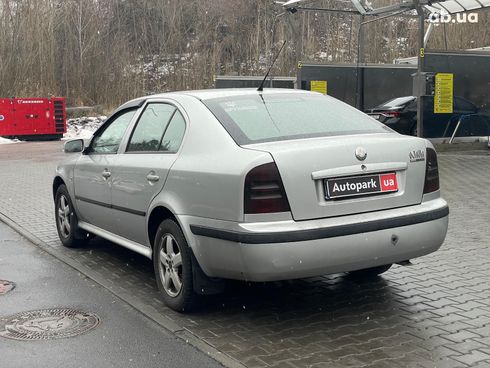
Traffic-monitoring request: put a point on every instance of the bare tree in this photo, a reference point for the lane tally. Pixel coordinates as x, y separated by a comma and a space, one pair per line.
107, 51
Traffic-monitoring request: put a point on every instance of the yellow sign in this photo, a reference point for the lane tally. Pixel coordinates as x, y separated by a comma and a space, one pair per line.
318, 86
300, 64
443, 97
422, 52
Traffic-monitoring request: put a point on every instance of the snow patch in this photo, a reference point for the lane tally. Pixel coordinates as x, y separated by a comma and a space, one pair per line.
83, 127
8, 141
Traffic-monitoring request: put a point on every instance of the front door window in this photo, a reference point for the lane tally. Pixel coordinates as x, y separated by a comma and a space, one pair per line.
108, 141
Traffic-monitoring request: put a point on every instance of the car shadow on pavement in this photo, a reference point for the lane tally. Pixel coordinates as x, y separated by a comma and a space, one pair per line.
335, 318
339, 293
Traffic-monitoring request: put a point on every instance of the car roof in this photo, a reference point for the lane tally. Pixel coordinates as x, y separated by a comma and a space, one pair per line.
206, 94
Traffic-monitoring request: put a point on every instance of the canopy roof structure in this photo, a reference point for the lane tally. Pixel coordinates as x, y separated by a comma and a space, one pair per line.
456, 6
418, 8
364, 8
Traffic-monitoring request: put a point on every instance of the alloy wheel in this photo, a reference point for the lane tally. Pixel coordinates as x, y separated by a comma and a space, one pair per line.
64, 213
170, 265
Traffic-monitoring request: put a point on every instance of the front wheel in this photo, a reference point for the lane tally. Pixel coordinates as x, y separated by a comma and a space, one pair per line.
66, 220
173, 267
370, 272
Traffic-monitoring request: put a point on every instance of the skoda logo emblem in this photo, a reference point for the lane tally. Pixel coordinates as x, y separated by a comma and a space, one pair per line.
361, 153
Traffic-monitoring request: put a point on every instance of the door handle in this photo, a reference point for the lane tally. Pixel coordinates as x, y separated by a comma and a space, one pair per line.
152, 178
106, 174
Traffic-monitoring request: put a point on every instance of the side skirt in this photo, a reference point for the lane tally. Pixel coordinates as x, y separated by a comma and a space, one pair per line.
129, 244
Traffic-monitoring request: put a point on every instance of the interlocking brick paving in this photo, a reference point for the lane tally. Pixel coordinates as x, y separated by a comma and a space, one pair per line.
435, 313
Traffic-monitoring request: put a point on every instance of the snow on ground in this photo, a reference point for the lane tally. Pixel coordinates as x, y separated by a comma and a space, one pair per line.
83, 127
8, 141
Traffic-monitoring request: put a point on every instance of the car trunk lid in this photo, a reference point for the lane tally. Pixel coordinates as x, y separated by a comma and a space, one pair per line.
306, 164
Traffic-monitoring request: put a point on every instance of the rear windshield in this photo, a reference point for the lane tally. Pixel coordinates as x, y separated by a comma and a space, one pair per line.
275, 117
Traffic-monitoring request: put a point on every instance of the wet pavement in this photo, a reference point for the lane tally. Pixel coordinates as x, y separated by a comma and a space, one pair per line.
123, 338
435, 313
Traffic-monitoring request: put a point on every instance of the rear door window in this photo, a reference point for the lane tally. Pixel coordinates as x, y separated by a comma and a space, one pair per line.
174, 134
147, 136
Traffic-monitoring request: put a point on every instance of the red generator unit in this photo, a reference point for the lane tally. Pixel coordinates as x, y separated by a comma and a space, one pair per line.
33, 118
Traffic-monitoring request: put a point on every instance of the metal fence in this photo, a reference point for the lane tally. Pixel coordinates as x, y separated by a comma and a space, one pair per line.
471, 71
366, 86
381, 82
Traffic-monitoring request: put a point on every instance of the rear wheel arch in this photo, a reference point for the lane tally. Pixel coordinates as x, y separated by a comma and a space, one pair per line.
157, 215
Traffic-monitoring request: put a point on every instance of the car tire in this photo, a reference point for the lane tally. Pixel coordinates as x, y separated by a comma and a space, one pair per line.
67, 221
370, 272
172, 263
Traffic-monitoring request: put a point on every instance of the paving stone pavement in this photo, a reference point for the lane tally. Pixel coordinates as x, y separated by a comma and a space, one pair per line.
435, 313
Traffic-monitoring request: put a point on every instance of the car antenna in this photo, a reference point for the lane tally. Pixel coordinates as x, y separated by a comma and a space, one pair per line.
261, 87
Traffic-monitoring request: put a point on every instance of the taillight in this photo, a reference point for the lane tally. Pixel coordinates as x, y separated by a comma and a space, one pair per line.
391, 114
431, 172
264, 192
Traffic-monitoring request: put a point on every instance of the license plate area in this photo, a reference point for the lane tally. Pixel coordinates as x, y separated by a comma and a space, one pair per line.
355, 186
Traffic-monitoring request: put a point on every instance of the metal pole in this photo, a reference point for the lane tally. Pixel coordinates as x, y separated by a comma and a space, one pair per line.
359, 69
360, 57
456, 129
420, 69
428, 33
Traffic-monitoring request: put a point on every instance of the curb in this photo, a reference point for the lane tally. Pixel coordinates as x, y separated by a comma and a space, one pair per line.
178, 331
461, 147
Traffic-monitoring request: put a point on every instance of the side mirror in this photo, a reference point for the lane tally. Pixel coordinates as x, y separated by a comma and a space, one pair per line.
74, 146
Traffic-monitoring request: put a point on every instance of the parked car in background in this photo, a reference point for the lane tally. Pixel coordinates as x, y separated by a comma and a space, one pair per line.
249, 185
400, 114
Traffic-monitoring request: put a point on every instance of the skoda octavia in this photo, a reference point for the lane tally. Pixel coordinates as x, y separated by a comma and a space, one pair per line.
249, 185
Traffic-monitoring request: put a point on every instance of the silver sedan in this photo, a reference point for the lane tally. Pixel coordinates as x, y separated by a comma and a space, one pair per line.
248, 185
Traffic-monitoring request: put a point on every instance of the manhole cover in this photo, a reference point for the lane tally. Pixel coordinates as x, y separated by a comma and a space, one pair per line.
45, 324
6, 286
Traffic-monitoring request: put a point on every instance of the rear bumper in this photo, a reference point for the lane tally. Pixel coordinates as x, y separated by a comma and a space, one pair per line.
314, 233
267, 251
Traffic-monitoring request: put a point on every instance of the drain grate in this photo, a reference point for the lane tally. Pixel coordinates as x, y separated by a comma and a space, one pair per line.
47, 324
6, 286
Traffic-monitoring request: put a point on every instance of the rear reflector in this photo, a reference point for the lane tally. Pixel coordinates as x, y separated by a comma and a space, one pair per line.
431, 172
264, 191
